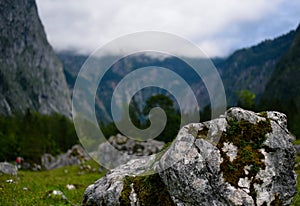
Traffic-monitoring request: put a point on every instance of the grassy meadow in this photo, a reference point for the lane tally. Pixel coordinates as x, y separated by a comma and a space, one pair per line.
36, 188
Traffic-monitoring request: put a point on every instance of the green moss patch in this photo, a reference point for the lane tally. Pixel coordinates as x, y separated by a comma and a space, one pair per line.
248, 138
150, 191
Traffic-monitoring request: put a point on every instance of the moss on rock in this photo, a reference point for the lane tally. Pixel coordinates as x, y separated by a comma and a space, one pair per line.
249, 139
150, 191
277, 201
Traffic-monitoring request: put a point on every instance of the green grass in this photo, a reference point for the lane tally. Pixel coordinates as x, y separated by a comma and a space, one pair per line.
297, 141
41, 183
296, 200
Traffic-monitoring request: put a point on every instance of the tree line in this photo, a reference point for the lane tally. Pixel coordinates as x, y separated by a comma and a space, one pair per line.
32, 134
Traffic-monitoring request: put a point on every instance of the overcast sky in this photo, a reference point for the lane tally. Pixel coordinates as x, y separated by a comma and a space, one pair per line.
218, 27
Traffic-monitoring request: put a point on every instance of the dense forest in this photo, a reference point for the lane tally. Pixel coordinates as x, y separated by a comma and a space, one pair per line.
32, 134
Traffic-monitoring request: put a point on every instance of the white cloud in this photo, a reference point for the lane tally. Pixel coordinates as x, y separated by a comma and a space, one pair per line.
217, 26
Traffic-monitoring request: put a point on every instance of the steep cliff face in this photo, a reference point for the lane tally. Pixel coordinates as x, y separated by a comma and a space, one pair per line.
31, 76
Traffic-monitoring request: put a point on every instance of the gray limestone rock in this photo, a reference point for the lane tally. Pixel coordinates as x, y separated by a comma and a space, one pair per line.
241, 158
120, 149
8, 168
31, 76
74, 156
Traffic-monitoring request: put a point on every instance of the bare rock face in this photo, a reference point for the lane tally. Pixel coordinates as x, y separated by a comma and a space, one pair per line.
74, 156
241, 158
31, 76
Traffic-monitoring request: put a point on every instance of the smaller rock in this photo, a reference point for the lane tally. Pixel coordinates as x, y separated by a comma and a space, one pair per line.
26, 165
70, 187
57, 194
36, 167
74, 156
9, 181
120, 149
8, 168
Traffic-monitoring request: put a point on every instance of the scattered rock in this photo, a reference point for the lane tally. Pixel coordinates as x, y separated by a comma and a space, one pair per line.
36, 167
241, 158
9, 181
30, 166
74, 156
125, 147
70, 187
8, 168
26, 166
57, 195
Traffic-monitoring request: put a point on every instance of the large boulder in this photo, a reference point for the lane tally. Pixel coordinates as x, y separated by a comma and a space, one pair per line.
8, 168
241, 158
74, 156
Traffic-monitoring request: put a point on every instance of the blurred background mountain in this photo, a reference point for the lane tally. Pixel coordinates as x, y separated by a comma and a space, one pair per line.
269, 70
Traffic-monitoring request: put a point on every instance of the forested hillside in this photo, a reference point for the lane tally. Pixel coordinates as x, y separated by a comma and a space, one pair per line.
283, 89
251, 68
30, 135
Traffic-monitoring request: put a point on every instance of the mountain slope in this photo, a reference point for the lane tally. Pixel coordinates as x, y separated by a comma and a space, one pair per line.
248, 68
251, 68
73, 62
283, 89
31, 76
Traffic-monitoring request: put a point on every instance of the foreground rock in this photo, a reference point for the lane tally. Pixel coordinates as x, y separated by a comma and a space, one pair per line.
126, 147
241, 158
8, 168
74, 156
